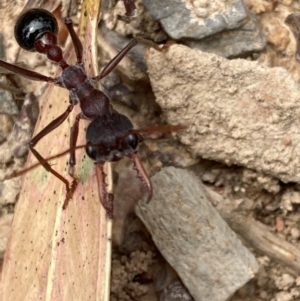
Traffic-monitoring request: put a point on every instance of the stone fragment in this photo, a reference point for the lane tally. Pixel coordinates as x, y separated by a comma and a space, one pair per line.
191, 235
8, 104
285, 282
189, 19
237, 112
175, 292
6, 123
232, 43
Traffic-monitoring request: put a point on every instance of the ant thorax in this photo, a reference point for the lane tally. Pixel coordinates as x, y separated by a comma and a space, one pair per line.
73, 76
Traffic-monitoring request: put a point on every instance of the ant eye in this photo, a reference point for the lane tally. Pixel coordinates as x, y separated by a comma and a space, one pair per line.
31, 24
91, 151
132, 140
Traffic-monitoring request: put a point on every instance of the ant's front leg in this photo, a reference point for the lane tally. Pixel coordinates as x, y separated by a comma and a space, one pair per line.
49, 128
116, 60
26, 73
142, 174
105, 198
75, 39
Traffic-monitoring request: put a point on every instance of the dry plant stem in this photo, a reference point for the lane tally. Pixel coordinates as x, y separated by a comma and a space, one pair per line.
53, 263
256, 234
259, 236
105, 224
55, 254
105, 248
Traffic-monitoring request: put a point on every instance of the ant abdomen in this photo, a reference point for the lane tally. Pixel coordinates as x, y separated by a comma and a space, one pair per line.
31, 27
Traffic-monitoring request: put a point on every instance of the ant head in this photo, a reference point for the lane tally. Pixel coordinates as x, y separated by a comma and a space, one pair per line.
34, 25
110, 138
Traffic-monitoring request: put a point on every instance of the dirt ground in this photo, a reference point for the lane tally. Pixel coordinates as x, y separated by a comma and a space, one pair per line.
139, 272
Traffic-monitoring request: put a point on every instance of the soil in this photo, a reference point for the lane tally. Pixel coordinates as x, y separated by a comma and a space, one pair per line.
139, 271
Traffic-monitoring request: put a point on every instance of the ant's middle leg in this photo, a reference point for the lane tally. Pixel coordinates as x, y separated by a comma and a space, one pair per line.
72, 160
73, 141
49, 128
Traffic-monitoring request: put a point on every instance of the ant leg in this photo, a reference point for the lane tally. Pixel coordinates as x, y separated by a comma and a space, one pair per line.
130, 8
26, 73
138, 166
76, 42
72, 160
154, 45
116, 60
106, 198
49, 128
130, 11
73, 141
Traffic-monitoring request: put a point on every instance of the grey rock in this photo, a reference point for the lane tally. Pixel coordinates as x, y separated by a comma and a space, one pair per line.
191, 235
119, 42
181, 19
232, 43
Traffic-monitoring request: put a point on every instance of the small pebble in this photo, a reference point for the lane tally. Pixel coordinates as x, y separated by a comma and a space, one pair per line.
263, 295
265, 261
284, 296
279, 223
209, 178
6, 126
285, 281
175, 291
295, 292
295, 233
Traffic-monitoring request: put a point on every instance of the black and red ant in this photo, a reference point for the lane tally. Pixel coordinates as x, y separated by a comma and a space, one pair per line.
110, 135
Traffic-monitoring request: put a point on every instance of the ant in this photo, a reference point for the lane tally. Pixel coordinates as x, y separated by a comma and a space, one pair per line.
110, 135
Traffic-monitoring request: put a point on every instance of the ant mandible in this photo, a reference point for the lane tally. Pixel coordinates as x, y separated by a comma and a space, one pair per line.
110, 135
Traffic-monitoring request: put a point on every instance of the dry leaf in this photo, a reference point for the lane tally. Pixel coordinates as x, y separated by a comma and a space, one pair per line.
56, 254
